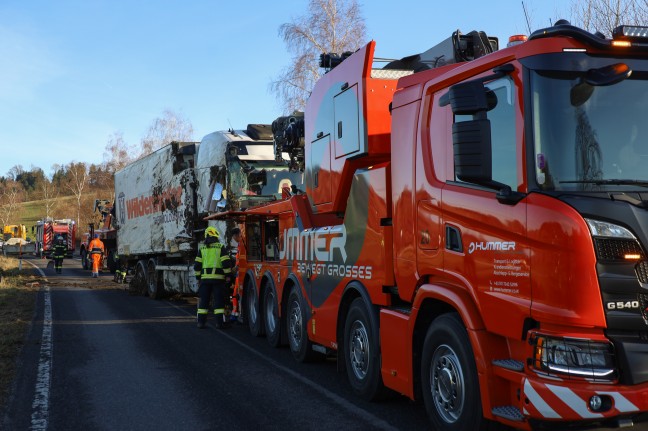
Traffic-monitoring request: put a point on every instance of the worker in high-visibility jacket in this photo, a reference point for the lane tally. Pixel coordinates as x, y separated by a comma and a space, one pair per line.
58, 254
212, 268
96, 247
120, 268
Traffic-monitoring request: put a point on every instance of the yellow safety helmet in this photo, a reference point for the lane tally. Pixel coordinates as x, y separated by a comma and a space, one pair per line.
211, 231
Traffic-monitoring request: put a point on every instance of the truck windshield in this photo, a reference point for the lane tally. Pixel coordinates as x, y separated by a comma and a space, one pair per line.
592, 139
262, 179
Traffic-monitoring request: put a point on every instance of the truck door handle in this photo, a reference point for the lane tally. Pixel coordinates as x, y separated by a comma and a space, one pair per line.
453, 239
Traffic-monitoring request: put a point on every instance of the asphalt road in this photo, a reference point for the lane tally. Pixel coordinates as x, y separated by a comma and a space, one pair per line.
100, 359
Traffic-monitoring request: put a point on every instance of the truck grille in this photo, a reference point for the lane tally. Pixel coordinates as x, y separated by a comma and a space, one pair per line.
642, 271
643, 303
615, 249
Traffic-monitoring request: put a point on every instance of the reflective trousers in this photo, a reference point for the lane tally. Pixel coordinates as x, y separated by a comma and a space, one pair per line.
96, 260
206, 290
58, 264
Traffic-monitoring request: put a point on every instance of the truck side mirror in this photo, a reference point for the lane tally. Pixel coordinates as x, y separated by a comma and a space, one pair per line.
469, 98
472, 151
607, 75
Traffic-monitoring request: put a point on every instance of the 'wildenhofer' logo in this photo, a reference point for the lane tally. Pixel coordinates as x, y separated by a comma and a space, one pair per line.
121, 203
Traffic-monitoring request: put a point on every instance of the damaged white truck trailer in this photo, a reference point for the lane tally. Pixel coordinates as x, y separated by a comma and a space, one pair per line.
162, 199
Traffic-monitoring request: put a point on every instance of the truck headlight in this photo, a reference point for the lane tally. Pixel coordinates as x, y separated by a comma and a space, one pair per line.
574, 357
614, 243
608, 230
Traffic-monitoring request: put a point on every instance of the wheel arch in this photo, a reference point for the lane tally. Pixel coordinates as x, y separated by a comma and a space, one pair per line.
435, 300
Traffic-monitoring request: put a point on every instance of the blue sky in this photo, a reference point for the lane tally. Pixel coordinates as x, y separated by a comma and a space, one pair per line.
75, 72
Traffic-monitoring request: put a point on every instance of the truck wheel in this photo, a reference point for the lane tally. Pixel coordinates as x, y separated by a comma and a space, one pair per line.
300, 346
137, 285
154, 288
449, 377
361, 353
271, 316
252, 310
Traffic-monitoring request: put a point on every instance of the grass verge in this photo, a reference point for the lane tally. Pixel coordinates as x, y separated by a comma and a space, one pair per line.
17, 300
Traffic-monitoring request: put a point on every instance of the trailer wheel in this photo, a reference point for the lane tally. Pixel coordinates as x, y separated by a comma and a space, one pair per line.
154, 288
271, 316
300, 346
449, 377
137, 285
361, 353
252, 310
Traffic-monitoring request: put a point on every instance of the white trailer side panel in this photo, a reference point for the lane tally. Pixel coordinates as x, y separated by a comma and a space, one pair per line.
155, 207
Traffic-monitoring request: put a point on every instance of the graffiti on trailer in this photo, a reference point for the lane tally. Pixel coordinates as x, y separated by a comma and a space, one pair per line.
152, 204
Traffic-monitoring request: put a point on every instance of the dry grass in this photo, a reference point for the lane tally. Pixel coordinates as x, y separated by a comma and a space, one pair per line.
17, 300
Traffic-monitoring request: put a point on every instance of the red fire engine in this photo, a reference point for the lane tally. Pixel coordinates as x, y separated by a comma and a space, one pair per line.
49, 229
473, 229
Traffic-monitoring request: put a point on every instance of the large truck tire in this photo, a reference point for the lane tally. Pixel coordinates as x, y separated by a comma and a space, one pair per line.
362, 353
271, 316
300, 346
252, 313
449, 377
137, 285
154, 286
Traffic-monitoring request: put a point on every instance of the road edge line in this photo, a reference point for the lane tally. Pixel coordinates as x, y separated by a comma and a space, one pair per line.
40, 405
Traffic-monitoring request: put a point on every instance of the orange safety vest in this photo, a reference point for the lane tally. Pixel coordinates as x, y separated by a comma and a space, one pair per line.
96, 246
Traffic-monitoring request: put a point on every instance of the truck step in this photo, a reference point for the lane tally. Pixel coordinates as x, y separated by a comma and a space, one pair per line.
320, 349
509, 364
510, 413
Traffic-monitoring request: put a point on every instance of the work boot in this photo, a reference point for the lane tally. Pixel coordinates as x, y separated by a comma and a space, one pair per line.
221, 323
201, 321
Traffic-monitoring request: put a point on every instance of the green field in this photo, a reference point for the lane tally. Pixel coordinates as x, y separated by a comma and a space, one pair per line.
31, 212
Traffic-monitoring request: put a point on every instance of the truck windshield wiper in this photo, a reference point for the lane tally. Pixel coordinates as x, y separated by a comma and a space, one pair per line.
611, 182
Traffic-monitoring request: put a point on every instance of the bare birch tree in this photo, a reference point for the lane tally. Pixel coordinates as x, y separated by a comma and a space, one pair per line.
118, 153
50, 195
163, 130
10, 198
606, 15
329, 26
77, 179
